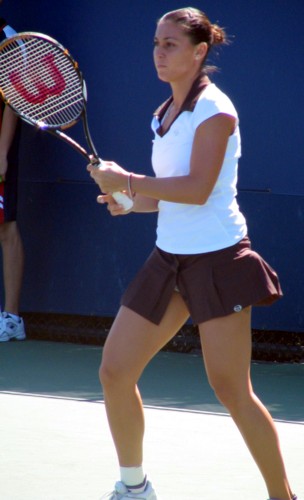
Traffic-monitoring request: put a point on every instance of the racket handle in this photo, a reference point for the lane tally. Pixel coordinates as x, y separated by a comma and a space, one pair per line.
123, 200
119, 197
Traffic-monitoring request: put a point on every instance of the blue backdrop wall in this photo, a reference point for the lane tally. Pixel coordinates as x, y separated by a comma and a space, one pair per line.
78, 258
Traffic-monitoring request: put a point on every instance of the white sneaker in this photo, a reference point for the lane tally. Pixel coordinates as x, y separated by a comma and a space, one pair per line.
10, 328
121, 492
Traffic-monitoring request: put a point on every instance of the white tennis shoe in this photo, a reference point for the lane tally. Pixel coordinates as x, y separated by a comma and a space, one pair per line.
121, 492
11, 328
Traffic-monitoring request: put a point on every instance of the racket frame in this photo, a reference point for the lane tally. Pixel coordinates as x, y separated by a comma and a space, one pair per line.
57, 130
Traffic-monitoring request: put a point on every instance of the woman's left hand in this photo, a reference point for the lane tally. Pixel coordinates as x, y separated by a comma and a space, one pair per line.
109, 176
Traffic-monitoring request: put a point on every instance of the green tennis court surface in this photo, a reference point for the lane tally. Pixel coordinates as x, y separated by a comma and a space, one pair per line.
55, 443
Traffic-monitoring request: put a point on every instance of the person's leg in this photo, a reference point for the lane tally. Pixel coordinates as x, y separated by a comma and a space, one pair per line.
131, 344
13, 262
226, 345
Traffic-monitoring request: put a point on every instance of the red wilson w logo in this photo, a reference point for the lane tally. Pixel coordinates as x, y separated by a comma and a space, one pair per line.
43, 90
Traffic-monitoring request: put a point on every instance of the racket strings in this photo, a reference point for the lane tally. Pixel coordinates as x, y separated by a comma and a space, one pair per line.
40, 81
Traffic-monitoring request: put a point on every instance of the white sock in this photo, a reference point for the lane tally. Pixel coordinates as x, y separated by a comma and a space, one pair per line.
134, 478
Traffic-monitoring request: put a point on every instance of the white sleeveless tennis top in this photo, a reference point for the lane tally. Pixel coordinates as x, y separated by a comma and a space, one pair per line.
191, 229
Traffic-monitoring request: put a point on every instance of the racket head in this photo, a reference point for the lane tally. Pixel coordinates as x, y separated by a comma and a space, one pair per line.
40, 81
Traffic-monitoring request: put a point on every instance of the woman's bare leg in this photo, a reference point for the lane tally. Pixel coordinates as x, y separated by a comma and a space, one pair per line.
226, 344
131, 344
13, 262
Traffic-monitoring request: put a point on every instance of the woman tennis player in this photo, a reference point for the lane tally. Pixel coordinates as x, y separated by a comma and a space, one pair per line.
202, 265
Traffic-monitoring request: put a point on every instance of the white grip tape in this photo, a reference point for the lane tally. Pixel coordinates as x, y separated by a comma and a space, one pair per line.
119, 197
123, 200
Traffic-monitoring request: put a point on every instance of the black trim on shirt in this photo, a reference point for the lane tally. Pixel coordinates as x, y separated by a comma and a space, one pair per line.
198, 86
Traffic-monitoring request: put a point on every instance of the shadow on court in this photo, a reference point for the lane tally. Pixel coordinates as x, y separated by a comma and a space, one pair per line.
55, 442
171, 380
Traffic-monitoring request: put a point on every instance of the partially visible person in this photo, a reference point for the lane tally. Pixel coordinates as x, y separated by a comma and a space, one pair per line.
11, 324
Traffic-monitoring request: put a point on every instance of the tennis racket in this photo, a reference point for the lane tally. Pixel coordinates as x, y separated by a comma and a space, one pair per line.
41, 82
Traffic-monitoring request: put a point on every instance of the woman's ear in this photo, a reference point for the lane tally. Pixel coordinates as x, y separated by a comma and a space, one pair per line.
201, 51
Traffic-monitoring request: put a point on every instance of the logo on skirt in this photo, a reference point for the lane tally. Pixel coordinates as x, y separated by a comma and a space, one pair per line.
237, 308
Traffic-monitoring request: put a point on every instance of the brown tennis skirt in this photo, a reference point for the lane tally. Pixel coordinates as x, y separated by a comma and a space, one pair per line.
212, 284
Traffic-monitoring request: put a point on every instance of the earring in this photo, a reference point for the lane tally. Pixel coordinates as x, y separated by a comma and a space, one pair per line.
197, 56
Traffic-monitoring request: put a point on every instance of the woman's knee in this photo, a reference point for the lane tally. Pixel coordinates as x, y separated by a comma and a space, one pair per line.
108, 374
115, 375
221, 390
229, 393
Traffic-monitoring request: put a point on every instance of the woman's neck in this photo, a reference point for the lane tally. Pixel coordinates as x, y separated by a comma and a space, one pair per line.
181, 89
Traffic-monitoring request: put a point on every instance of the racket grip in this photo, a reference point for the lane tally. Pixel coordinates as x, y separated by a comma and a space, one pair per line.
123, 200
118, 196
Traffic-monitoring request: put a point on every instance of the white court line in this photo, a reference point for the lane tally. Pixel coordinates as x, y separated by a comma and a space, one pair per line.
153, 407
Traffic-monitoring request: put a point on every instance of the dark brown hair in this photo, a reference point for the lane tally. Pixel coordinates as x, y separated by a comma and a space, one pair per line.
197, 26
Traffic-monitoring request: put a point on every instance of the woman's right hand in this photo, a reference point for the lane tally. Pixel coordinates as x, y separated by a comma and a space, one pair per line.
113, 207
